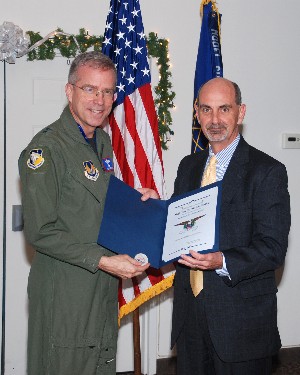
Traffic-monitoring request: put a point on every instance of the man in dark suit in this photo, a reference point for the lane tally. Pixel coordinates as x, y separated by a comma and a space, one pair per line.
231, 326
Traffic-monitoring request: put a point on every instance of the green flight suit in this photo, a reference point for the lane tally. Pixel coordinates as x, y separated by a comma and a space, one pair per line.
73, 305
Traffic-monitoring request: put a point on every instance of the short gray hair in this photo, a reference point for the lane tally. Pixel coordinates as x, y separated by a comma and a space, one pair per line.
94, 59
238, 94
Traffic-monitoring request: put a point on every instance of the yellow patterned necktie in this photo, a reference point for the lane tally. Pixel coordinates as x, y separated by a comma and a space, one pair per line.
209, 176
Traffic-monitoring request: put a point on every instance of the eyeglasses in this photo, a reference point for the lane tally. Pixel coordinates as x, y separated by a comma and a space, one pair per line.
91, 91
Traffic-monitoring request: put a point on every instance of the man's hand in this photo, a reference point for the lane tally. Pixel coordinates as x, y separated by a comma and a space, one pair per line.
210, 261
148, 193
122, 266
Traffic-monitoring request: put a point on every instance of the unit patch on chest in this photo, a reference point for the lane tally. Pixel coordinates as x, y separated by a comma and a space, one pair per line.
90, 171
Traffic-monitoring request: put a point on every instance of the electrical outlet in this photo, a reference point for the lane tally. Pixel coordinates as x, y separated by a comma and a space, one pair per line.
290, 140
17, 218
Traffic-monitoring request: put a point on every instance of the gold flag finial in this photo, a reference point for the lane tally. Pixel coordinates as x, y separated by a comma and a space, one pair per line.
205, 2
215, 9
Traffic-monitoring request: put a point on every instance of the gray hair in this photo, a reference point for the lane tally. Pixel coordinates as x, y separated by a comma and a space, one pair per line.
238, 94
94, 59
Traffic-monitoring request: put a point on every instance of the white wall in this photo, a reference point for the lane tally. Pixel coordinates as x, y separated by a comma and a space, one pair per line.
260, 52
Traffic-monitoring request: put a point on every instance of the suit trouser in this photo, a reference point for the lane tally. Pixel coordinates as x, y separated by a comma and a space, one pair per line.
196, 354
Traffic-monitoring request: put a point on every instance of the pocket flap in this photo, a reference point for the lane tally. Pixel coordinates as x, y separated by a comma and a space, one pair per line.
259, 287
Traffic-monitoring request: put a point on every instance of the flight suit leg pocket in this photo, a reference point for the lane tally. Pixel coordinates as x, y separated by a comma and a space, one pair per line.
74, 358
107, 362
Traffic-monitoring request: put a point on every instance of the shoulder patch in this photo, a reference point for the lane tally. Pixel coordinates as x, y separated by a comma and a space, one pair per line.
36, 159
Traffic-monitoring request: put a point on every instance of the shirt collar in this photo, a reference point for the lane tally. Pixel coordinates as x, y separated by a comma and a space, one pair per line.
224, 156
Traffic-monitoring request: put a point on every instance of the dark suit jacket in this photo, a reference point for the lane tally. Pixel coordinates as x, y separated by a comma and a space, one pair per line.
254, 227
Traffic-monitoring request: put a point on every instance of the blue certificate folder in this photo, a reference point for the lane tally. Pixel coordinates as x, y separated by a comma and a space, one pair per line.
131, 226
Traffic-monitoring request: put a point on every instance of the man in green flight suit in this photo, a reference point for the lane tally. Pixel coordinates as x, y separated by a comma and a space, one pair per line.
73, 282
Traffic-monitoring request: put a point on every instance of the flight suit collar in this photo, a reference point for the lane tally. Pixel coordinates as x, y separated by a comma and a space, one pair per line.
98, 185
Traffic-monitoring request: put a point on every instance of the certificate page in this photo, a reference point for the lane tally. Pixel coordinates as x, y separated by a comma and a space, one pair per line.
191, 224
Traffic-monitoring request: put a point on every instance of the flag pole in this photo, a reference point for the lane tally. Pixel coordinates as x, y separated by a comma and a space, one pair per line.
136, 342
4, 234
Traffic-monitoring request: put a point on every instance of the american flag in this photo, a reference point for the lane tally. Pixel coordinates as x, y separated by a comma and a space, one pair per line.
133, 128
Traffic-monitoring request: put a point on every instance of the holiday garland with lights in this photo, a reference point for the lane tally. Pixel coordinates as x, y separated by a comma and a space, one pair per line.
70, 45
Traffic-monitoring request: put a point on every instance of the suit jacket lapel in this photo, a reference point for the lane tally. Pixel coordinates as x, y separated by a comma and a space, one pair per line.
236, 171
198, 169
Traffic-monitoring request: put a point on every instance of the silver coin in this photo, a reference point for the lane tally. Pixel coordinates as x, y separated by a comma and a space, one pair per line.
142, 258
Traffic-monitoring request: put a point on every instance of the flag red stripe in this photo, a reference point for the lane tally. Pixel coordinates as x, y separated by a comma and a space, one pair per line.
121, 299
136, 287
154, 275
147, 98
119, 150
140, 159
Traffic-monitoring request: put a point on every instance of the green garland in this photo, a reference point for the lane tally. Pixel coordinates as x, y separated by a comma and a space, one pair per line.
157, 48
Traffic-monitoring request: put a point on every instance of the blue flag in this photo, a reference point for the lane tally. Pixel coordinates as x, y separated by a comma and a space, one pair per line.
209, 63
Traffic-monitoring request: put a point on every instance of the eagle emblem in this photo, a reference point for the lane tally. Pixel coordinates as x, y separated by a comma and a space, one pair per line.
189, 224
